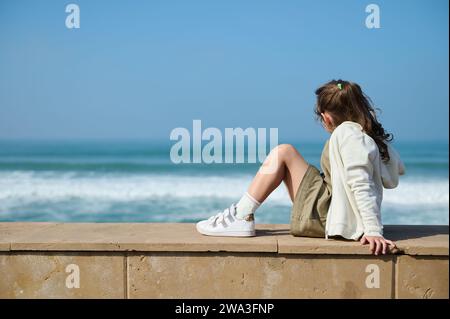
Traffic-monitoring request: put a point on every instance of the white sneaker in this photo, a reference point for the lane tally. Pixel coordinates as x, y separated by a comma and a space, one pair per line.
227, 224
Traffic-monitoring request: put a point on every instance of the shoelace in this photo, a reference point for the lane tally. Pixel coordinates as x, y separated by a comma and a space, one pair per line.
221, 217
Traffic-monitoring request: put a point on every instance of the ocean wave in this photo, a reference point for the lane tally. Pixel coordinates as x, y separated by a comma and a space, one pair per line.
113, 197
47, 186
164, 165
416, 192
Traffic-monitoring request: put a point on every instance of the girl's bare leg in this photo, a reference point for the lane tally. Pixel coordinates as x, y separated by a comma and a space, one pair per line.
288, 166
284, 163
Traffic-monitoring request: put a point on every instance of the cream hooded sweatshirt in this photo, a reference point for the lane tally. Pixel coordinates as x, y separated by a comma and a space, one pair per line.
358, 176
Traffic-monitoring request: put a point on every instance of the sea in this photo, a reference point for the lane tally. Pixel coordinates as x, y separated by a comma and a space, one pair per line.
136, 181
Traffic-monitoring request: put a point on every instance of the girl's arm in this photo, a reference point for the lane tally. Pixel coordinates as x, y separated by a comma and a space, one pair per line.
358, 154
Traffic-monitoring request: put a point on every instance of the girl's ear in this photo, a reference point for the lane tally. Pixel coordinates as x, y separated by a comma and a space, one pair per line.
328, 121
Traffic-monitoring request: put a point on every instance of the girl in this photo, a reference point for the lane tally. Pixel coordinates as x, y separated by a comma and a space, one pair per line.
344, 199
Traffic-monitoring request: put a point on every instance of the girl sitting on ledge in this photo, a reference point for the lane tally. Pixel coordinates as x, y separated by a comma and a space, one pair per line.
344, 199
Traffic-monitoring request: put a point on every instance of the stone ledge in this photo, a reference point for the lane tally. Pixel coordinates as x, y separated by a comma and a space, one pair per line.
182, 237
45, 260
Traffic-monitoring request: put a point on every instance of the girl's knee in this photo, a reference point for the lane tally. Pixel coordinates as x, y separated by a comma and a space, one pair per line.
286, 151
281, 154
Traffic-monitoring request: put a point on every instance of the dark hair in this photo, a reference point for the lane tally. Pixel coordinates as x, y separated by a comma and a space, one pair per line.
345, 101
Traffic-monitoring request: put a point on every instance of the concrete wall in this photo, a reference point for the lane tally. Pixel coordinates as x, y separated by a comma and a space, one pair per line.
51, 260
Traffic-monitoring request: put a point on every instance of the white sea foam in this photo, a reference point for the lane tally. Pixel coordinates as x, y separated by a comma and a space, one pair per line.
35, 186
414, 192
26, 187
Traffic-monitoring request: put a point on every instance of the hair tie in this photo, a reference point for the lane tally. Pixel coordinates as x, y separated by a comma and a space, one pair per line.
339, 85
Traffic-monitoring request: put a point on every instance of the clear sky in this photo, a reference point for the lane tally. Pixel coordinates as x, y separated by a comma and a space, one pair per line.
138, 69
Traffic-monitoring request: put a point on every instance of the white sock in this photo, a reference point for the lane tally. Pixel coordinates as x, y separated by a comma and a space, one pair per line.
246, 206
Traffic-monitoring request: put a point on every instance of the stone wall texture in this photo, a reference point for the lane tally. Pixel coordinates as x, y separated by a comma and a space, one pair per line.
44, 260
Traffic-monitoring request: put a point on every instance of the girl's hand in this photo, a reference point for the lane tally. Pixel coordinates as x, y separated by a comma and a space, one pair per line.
377, 244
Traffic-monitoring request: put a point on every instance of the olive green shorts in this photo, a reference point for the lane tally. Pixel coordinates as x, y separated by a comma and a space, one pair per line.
311, 202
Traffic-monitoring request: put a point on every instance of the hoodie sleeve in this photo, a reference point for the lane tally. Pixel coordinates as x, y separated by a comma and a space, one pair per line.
358, 154
391, 170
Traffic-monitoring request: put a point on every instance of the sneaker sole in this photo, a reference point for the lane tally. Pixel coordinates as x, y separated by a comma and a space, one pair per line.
228, 234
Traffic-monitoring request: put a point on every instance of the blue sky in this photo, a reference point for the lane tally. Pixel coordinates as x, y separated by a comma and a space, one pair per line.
138, 69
